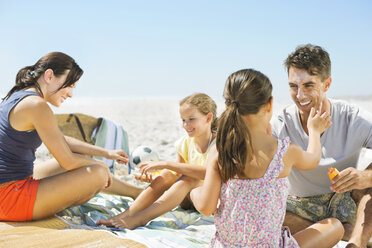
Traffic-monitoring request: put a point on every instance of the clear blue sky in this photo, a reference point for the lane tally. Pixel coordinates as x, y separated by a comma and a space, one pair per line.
174, 48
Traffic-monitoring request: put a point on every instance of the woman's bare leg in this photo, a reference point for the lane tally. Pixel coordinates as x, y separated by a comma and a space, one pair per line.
117, 187
67, 189
148, 196
326, 233
169, 200
48, 168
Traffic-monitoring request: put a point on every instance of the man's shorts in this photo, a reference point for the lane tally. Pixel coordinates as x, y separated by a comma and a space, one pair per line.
17, 199
319, 207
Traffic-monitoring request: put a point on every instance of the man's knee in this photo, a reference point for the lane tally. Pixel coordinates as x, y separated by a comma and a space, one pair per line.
359, 194
295, 222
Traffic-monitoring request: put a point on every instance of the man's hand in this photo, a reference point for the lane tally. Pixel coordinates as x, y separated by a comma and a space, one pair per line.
350, 179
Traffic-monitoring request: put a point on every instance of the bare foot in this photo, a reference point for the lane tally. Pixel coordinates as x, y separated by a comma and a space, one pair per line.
109, 222
129, 222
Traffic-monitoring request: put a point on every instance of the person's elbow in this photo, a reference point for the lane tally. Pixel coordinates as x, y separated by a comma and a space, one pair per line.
206, 211
70, 162
313, 163
207, 208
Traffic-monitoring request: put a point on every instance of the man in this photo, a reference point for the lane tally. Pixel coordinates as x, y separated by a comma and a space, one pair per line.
313, 196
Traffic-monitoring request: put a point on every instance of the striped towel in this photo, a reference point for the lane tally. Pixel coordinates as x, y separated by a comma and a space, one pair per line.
112, 136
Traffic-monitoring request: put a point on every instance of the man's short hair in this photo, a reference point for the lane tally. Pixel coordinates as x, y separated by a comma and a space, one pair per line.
313, 59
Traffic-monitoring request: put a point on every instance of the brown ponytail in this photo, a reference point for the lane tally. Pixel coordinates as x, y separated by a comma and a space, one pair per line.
246, 91
58, 62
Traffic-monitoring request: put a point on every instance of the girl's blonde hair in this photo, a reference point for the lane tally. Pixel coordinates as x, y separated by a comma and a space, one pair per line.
246, 91
204, 104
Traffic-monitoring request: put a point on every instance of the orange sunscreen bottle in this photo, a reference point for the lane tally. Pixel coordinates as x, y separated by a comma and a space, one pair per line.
332, 172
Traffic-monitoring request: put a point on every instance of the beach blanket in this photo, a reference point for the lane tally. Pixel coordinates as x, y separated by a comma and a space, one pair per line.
75, 227
178, 228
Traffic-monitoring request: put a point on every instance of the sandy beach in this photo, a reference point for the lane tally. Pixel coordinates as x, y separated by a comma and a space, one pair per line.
155, 122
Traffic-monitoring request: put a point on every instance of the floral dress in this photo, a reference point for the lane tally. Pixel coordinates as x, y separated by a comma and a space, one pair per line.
252, 211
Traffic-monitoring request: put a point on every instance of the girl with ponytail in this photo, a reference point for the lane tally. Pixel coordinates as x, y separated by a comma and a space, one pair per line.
247, 172
26, 120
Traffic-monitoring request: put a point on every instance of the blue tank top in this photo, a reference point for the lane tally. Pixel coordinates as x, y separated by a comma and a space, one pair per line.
17, 149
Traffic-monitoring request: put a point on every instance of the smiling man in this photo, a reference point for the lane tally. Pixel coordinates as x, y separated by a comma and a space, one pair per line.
313, 196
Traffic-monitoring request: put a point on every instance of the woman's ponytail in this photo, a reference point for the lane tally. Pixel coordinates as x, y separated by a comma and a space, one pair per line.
25, 79
58, 62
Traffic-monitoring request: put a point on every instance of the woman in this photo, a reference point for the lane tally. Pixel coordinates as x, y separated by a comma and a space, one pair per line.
26, 120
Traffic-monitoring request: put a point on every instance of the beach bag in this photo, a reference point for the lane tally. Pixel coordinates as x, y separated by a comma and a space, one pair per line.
79, 126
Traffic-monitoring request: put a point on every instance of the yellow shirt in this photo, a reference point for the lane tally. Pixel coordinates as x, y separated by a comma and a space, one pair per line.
185, 147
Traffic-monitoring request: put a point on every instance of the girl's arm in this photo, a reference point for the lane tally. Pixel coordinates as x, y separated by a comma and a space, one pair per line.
306, 160
191, 170
205, 198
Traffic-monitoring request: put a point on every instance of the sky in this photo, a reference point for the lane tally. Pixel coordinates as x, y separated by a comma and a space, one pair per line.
175, 48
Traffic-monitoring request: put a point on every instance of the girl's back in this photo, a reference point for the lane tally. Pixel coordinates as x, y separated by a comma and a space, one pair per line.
251, 211
248, 171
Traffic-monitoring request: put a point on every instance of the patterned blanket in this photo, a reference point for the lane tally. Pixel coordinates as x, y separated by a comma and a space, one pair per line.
178, 228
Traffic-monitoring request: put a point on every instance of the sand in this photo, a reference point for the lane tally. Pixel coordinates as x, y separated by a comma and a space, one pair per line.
155, 122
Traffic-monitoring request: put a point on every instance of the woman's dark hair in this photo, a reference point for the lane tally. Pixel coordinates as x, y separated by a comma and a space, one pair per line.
58, 62
246, 91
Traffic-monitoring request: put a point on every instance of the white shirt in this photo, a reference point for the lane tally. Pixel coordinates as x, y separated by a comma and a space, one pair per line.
351, 130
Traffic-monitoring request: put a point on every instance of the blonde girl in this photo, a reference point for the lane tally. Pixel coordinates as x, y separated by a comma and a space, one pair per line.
171, 188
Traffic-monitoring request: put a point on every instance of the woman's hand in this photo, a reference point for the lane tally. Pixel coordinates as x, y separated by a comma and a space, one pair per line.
118, 155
